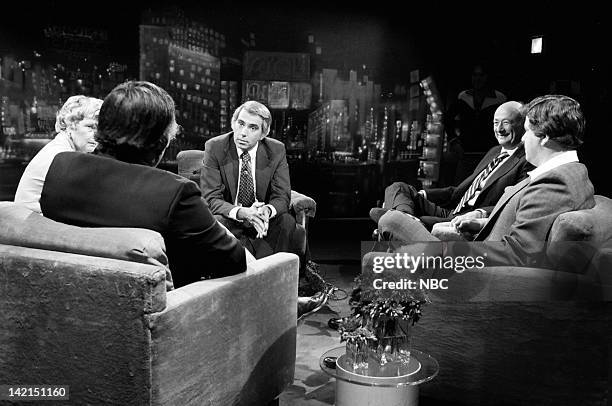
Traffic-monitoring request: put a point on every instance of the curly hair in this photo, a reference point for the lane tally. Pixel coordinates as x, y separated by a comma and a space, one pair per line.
558, 117
76, 109
133, 122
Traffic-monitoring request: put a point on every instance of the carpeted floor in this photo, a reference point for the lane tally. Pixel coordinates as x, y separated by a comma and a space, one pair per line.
312, 387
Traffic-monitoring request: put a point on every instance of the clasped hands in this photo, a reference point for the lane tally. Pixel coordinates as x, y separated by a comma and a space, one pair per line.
258, 216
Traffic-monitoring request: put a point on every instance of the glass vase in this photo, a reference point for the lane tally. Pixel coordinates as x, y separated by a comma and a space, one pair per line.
393, 343
357, 352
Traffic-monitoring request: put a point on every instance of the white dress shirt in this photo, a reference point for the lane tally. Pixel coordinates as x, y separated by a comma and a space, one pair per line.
33, 179
558, 160
253, 154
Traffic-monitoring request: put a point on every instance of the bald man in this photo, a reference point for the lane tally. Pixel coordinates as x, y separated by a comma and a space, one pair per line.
503, 165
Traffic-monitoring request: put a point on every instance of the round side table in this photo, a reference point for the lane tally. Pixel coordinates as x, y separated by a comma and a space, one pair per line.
391, 384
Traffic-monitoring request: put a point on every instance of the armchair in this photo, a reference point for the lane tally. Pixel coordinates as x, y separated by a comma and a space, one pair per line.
89, 308
526, 336
190, 163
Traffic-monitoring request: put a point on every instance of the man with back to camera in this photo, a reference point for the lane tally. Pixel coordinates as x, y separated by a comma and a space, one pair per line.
119, 186
503, 165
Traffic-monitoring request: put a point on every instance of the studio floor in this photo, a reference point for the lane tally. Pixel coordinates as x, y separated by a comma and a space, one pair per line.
336, 246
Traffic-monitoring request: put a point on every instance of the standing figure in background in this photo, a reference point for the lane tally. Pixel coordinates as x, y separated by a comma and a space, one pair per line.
472, 113
76, 125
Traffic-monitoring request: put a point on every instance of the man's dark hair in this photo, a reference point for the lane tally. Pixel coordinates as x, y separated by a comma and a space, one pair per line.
132, 122
558, 117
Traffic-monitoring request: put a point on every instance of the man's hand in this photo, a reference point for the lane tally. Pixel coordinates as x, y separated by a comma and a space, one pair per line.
470, 227
252, 216
475, 214
264, 211
264, 214
469, 224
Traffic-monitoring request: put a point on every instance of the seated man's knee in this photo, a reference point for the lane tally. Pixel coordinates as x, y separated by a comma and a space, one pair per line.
404, 187
397, 186
391, 220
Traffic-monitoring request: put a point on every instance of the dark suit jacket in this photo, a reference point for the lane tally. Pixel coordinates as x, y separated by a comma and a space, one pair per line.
510, 173
219, 176
94, 191
523, 217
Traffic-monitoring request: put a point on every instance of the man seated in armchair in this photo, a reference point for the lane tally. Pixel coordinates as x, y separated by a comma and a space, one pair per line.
523, 217
119, 186
504, 165
245, 181
521, 221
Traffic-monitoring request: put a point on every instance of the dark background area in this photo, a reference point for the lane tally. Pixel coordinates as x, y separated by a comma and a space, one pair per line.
392, 38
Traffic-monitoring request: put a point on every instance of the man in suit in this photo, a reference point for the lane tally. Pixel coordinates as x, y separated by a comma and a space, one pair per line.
245, 180
522, 219
502, 166
119, 186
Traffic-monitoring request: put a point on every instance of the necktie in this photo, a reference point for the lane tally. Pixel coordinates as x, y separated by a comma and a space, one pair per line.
246, 194
476, 184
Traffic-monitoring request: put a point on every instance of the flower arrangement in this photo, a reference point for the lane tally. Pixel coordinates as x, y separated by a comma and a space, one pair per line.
379, 327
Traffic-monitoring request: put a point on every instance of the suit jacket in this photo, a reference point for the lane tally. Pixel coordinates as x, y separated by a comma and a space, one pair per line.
219, 176
511, 172
95, 191
523, 217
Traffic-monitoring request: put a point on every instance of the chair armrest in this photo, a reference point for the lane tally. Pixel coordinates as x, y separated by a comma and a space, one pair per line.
225, 341
303, 206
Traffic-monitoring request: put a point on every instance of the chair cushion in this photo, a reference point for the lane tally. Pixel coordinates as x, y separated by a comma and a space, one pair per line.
190, 163
585, 225
577, 236
22, 227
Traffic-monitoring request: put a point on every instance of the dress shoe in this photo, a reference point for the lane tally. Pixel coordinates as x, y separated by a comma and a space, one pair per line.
376, 213
334, 323
309, 304
376, 235
311, 282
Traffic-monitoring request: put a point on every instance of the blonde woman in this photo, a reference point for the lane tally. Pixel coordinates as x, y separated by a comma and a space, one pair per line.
76, 126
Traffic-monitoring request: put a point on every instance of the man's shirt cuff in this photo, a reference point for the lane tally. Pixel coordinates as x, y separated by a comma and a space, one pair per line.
234, 213
272, 210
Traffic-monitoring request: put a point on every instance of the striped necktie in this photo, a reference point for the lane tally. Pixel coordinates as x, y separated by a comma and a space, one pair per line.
477, 183
246, 194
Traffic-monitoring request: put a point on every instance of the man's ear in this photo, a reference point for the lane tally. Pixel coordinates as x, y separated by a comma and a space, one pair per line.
544, 140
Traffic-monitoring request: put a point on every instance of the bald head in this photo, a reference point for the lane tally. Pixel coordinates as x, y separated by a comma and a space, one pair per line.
508, 124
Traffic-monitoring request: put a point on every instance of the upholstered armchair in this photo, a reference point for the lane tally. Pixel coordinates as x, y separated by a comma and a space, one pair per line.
89, 308
190, 164
522, 335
